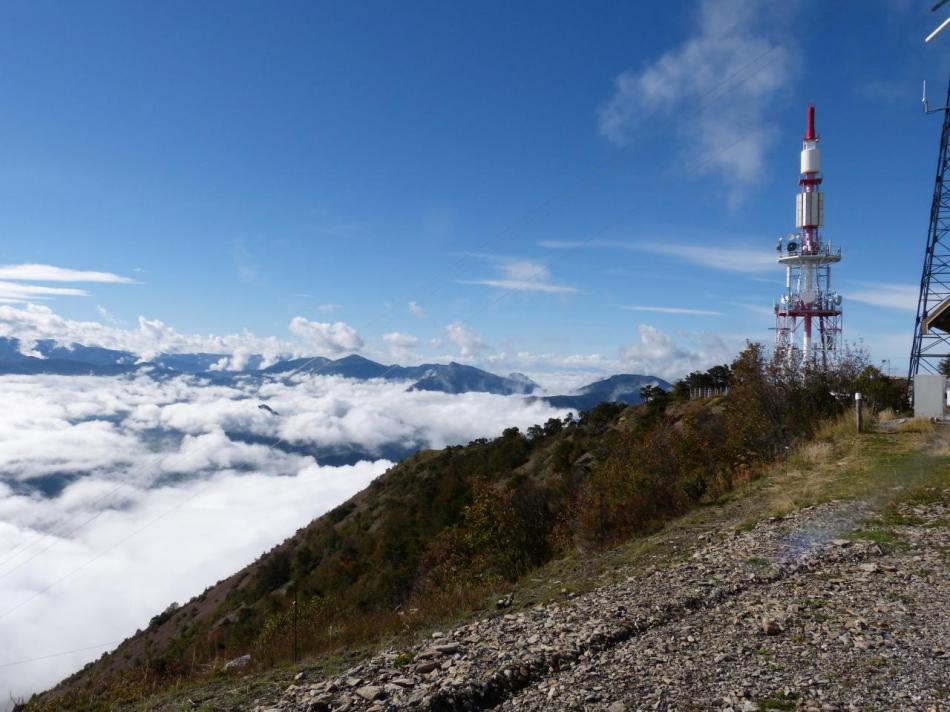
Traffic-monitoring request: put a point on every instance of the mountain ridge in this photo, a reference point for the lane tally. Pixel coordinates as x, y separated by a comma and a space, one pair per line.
454, 378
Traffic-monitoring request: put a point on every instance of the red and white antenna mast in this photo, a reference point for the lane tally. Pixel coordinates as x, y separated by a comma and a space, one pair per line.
808, 303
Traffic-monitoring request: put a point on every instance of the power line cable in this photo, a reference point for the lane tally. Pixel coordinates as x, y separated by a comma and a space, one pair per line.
60, 654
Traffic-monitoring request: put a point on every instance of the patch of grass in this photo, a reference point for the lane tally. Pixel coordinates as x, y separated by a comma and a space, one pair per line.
878, 536
404, 659
757, 561
923, 495
917, 425
816, 452
780, 702
894, 518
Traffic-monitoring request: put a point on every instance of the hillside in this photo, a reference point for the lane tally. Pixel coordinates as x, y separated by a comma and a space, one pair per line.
815, 590
806, 605
444, 532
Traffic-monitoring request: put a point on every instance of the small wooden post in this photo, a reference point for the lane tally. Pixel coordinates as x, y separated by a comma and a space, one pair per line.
295, 622
859, 411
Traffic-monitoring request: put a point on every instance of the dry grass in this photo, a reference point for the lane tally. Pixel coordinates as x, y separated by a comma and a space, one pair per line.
816, 453
835, 430
918, 425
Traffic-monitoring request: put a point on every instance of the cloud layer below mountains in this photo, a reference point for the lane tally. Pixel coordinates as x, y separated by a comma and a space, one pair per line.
121, 495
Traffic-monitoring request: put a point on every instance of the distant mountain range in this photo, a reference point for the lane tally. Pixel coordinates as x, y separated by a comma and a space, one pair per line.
622, 388
76, 359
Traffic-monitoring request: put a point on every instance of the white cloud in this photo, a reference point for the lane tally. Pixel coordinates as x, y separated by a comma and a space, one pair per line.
14, 292
324, 338
106, 314
49, 273
416, 310
157, 453
888, 90
327, 308
734, 64
151, 337
572, 244
400, 345
674, 310
729, 259
246, 265
468, 341
885, 294
34, 322
525, 276
736, 258
657, 353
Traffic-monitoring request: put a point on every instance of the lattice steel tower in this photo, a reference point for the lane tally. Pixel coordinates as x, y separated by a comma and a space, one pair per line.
932, 328
809, 304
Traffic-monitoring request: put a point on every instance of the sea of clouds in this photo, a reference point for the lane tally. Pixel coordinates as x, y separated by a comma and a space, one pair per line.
119, 495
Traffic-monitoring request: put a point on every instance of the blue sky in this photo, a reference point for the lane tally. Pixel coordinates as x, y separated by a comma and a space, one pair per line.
520, 171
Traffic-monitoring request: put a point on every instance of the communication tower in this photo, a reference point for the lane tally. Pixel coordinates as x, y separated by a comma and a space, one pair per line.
808, 306
931, 342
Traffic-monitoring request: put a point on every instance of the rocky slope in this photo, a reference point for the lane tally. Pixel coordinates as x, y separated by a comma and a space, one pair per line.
784, 616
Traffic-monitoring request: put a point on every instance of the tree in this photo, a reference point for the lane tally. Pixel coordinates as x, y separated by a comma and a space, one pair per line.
720, 375
552, 426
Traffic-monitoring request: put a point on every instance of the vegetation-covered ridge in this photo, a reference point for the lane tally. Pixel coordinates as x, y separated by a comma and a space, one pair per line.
441, 530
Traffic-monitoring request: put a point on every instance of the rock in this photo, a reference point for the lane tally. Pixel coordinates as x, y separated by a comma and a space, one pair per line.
616, 707
237, 663
448, 648
426, 667
771, 626
871, 568
505, 602
371, 692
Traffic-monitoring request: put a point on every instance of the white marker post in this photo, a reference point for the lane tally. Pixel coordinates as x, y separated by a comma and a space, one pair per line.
859, 412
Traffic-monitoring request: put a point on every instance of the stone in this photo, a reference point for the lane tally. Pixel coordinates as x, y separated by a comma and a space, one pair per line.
616, 707
371, 692
771, 626
237, 663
